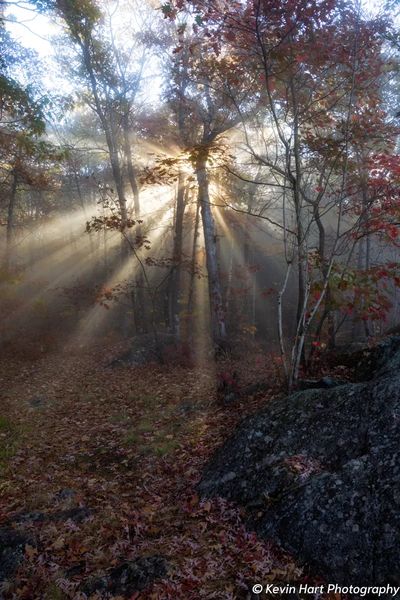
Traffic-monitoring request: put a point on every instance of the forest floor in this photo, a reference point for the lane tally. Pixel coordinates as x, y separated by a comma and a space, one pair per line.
122, 449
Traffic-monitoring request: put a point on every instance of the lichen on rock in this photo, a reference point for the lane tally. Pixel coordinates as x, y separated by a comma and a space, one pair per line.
319, 472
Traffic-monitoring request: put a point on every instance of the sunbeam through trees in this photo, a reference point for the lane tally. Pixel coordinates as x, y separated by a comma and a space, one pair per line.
200, 213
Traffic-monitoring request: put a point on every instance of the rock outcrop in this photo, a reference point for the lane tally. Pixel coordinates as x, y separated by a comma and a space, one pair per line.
319, 472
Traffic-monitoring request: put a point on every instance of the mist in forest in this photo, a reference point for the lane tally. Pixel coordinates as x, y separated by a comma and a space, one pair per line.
166, 171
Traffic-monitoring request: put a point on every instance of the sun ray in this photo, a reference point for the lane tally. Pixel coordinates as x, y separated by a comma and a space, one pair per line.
97, 318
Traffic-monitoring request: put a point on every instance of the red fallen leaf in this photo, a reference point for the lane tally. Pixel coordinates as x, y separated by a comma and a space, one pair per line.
58, 543
30, 551
192, 501
206, 506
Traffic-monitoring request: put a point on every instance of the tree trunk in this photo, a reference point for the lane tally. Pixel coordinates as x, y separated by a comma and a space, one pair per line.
328, 312
108, 129
280, 322
130, 168
175, 278
137, 294
10, 219
193, 265
229, 305
218, 327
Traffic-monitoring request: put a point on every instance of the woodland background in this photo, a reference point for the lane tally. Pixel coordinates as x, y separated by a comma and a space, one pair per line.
199, 201
235, 168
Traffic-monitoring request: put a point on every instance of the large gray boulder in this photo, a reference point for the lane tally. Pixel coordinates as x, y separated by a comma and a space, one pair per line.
319, 472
